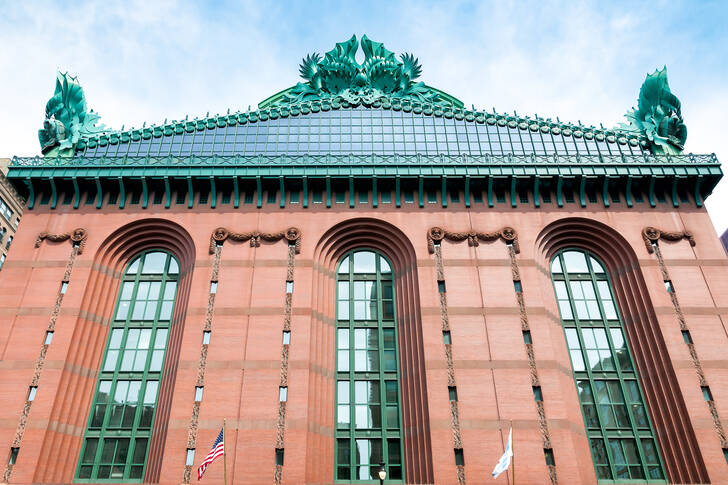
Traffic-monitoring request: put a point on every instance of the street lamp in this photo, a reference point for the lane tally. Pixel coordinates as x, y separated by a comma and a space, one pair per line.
382, 474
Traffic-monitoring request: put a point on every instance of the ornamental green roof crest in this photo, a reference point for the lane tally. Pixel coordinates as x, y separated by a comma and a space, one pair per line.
658, 116
380, 75
381, 81
67, 119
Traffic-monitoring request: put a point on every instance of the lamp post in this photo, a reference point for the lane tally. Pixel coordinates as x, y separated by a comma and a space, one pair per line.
382, 474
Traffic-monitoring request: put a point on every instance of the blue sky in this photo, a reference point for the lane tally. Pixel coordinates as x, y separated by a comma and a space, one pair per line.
155, 59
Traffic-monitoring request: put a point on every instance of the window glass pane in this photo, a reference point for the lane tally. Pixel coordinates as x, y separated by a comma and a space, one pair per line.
556, 266
154, 263
364, 262
575, 262
596, 266
122, 406
384, 266
344, 266
133, 267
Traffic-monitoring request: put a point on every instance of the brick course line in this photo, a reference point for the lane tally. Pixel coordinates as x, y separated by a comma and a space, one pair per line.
652, 238
41, 361
542, 421
509, 236
217, 239
454, 411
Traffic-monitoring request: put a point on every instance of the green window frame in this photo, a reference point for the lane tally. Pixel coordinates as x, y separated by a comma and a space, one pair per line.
116, 442
368, 396
618, 426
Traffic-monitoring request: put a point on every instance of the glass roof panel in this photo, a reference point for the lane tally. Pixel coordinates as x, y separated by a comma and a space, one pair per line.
359, 131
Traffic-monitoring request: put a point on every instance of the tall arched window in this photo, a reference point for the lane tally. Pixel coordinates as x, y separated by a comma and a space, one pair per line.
618, 426
368, 420
117, 437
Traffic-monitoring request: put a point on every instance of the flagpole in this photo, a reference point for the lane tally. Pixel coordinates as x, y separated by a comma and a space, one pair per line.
513, 457
224, 454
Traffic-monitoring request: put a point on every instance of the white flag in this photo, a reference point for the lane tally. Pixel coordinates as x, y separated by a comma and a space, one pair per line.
505, 460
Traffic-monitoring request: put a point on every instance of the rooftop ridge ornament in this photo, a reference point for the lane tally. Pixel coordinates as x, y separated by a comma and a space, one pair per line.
67, 118
380, 75
658, 115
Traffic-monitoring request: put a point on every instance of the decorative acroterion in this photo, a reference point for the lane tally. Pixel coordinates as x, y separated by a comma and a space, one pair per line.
380, 75
658, 116
67, 119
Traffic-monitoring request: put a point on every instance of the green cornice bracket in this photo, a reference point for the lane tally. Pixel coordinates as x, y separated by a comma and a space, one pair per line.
282, 184
236, 192
466, 191
31, 192
352, 200
651, 193
145, 193
213, 193
490, 191
99, 193
259, 190
167, 193
304, 182
536, 196
698, 196
54, 193
190, 193
420, 191
675, 201
444, 191
513, 192
560, 191
628, 192
328, 192
582, 191
122, 193
76, 193
605, 191
374, 191
397, 192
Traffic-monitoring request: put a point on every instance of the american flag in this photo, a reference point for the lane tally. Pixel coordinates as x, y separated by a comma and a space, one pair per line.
218, 449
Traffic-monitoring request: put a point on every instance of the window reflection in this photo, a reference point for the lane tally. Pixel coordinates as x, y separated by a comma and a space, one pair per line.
608, 388
367, 389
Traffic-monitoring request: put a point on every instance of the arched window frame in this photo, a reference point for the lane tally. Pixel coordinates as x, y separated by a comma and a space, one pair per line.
575, 320
345, 457
124, 324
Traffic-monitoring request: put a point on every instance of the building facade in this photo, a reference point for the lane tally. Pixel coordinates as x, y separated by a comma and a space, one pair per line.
11, 208
362, 273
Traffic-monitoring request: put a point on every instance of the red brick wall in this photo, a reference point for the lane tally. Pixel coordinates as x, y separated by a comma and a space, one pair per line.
243, 364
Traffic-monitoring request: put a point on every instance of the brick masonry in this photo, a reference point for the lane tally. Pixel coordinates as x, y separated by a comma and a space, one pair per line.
243, 362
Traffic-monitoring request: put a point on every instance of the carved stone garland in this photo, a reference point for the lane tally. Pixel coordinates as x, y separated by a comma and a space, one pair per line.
218, 237
508, 235
221, 234
454, 412
437, 234
78, 238
652, 238
294, 246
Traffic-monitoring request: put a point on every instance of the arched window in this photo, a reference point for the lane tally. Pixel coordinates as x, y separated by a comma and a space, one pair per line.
618, 426
368, 418
117, 437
